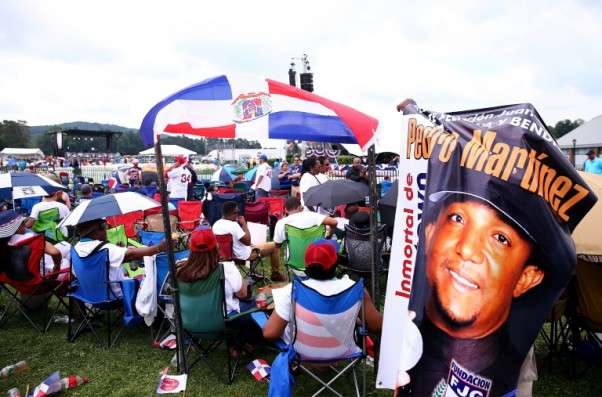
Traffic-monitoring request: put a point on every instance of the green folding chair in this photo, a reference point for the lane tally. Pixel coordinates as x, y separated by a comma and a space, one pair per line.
47, 224
297, 241
116, 235
205, 322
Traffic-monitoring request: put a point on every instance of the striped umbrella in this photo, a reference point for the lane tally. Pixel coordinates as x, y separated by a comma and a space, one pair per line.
17, 185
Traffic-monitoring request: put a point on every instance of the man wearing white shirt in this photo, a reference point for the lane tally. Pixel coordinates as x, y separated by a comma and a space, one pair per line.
263, 181
299, 218
178, 178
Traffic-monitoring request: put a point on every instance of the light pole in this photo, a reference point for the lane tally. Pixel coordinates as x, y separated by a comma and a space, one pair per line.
574, 153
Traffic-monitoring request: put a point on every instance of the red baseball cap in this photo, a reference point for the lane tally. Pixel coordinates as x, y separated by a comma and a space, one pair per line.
322, 252
202, 240
181, 159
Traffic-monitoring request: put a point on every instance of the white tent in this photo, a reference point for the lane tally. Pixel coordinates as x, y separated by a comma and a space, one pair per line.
24, 153
168, 151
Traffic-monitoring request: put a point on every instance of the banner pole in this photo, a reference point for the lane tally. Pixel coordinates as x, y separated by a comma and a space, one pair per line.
182, 369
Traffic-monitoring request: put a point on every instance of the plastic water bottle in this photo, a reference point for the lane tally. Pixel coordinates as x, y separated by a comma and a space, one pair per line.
72, 381
14, 392
13, 369
262, 301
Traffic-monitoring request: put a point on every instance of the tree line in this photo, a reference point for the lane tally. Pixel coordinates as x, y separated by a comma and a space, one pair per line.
17, 134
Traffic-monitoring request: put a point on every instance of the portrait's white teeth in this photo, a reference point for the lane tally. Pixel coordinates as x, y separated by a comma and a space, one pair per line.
462, 280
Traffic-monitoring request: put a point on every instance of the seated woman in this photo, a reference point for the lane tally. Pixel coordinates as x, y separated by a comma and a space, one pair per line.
56, 257
204, 259
321, 259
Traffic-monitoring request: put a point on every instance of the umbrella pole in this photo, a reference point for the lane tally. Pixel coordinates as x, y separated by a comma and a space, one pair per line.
172, 262
373, 194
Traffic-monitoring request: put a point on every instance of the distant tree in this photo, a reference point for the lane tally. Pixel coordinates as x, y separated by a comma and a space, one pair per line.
14, 134
563, 127
130, 143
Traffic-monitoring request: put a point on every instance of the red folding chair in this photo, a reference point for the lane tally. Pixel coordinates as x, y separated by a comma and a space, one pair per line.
258, 212
276, 206
129, 221
190, 214
226, 253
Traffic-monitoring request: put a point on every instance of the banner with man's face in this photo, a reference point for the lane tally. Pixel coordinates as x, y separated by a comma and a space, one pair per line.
488, 202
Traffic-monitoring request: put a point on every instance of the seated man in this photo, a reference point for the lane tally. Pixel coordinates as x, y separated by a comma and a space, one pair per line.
94, 233
235, 224
349, 210
86, 191
298, 217
360, 222
51, 201
320, 260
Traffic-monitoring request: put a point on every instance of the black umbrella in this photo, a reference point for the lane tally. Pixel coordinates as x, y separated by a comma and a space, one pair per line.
388, 206
333, 193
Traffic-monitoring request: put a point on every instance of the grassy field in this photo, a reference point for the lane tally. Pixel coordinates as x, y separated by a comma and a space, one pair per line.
133, 366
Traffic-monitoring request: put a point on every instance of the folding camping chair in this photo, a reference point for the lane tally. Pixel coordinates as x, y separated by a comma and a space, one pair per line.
205, 321
164, 296
213, 205
130, 221
117, 235
190, 214
582, 348
324, 333
226, 253
26, 204
357, 246
258, 212
297, 241
153, 220
276, 211
47, 224
23, 282
95, 297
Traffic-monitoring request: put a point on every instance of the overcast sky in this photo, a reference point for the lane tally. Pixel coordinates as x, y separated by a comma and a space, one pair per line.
111, 61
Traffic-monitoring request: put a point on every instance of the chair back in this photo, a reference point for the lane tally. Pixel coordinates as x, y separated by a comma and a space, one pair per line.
323, 326
116, 235
22, 269
387, 217
203, 306
297, 241
28, 203
276, 206
92, 273
162, 263
47, 223
190, 214
129, 221
214, 206
589, 293
149, 238
225, 242
359, 250
258, 212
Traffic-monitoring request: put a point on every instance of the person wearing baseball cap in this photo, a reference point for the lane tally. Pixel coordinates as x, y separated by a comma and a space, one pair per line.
321, 259
263, 178
178, 178
203, 260
134, 173
494, 254
593, 163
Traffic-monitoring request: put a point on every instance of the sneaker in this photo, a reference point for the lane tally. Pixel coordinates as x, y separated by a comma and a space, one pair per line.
257, 275
277, 277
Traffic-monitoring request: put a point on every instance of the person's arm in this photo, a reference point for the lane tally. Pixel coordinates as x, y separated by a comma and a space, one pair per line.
137, 253
55, 254
274, 328
242, 292
374, 320
65, 198
328, 221
30, 222
246, 239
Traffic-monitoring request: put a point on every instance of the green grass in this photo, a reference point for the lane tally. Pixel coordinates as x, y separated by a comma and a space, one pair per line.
132, 367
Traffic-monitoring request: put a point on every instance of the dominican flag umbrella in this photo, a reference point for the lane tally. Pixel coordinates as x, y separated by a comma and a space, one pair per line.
17, 185
332, 193
255, 108
110, 205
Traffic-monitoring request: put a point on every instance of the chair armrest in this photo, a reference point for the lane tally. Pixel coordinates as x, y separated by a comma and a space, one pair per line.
135, 243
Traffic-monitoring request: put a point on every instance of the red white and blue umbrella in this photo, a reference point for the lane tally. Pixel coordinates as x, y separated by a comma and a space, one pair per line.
17, 185
110, 205
254, 108
222, 174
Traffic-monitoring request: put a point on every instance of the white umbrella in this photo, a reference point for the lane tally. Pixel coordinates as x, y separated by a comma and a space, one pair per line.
110, 205
17, 185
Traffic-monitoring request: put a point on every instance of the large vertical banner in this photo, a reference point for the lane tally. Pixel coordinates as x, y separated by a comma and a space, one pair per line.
487, 256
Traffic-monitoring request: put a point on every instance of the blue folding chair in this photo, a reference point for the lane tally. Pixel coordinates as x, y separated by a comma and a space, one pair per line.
213, 208
323, 332
164, 296
95, 297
